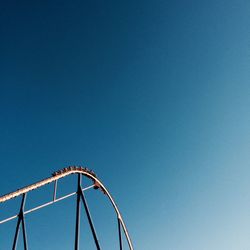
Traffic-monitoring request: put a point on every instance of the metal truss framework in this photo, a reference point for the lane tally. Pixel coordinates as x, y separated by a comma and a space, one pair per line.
80, 171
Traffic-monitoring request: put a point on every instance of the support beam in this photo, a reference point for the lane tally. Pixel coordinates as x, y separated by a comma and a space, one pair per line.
19, 221
16, 233
55, 190
78, 207
90, 221
119, 231
25, 243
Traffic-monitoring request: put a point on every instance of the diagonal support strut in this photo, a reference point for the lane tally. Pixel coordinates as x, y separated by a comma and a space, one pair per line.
90, 220
19, 221
120, 234
78, 207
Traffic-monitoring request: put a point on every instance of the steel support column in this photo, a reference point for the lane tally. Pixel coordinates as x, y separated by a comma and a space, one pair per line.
120, 235
24, 234
90, 221
16, 233
21, 220
78, 207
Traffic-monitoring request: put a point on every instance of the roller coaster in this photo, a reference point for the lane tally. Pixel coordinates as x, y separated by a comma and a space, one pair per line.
80, 196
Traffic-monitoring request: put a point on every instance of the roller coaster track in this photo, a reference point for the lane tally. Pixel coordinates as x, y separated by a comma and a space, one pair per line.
80, 171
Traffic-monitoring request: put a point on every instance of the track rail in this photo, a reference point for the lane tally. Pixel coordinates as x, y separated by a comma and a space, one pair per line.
59, 175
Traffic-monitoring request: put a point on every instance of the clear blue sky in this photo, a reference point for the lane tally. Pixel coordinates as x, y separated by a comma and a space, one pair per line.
152, 95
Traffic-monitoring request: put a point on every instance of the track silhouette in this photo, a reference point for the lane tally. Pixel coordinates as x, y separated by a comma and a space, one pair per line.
80, 171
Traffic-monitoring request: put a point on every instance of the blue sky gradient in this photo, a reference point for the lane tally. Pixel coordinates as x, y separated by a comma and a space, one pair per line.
151, 95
